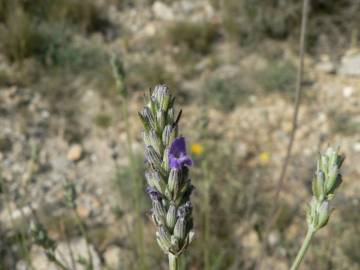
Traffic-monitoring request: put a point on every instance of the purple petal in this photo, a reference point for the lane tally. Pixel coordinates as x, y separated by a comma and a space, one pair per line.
178, 147
174, 162
185, 160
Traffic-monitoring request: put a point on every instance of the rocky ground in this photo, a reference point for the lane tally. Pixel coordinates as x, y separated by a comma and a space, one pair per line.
37, 156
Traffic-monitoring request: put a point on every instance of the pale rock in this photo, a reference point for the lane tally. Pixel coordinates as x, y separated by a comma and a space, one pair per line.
118, 258
348, 91
274, 263
87, 204
274, 238
325, 65
163, 11
75, 152
112, 256
357, 147
251, 244
350, 64
150, 30
241, 150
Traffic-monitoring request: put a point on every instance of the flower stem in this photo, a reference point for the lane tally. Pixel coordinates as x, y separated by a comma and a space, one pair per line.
173, 262
305, 245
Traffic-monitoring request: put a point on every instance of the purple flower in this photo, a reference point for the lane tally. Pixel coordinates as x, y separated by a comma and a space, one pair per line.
177, 154
153, 194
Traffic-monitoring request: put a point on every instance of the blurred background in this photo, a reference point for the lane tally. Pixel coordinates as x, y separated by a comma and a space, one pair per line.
70, 149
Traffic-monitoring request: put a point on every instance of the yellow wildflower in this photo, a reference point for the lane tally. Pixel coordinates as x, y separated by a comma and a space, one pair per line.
264, 157
197, 149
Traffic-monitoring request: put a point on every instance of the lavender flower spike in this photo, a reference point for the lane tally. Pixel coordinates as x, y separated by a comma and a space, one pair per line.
177, 154
167, 174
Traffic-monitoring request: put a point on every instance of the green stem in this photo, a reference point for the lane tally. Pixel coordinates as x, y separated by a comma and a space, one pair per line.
85, 235
207, 212
136, 184
299, 257
59, 264
21, 236
173, 262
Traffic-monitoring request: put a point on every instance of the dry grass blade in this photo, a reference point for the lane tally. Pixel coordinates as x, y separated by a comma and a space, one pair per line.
281, 180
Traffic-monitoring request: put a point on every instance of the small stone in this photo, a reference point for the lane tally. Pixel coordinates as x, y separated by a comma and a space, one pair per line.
241, 150
325, 67
357, 147
112, 257
150, 30
251, 244
348, 91
75, 152
162, 11
273, 238
87, 204
350, 64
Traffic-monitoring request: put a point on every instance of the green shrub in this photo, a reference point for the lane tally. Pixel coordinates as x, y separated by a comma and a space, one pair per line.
225, 94
20, 37
194, 37
278, 76
84, 15
343, 123
103, 120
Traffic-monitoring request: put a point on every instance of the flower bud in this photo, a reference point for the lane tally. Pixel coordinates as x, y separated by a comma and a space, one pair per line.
324, 163
162, 245
171, 115
153, 157
164, 238
162, 96
155, 141
154, 180
168, 193
160, 118
165, 163
180, 229
146, 138
147, 118
159, 211
166, 135
332, 156
175, 245
323, 214
171, 216
174, 181
331, 182
320, 186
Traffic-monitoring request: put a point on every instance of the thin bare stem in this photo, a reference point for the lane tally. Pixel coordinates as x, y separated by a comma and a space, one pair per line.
296, 109
298, 93
304, 247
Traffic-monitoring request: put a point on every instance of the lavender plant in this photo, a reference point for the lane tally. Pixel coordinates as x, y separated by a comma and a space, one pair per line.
167, 174
326, 180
